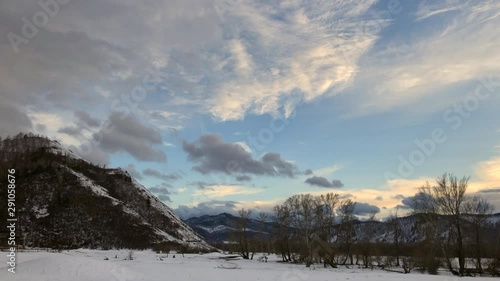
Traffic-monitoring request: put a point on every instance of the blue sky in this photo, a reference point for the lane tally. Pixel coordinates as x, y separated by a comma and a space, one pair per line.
368, 99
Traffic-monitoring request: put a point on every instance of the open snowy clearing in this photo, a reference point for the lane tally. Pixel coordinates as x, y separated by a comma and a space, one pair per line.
90, 265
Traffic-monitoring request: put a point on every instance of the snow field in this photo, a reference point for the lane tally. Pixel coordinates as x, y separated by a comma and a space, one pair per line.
90, 265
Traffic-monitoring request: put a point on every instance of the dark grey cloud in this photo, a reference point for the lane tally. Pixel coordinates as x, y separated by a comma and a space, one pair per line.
413, 202
243, 178
86, 119
160, 175
75, 62
12, 120
70, 130
133, 172
200, 184
164, 198
127, 134
337, 183
363, 209
399, 197
160, 190
308, 172
491, 190
346, 196
41, 127
213, 207
323, 182
212, 155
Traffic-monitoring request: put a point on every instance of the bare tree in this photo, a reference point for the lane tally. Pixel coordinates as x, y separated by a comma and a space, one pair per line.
477, 210
447, 198
324, 217
346, 229
395, 224
242, 233
262, 224
282, 234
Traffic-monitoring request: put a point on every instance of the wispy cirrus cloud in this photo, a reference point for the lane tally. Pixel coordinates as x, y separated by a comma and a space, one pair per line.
456, 47
294, 52
221, 190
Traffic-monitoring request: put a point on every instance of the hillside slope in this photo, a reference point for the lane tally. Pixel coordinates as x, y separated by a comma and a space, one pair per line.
63, 202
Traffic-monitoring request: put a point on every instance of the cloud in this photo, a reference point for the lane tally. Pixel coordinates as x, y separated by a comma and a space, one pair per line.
323, 182
212, 155
399, 196
327, 171
243, 178
12, 120
386, 191
160, 190
346, 196
222, 190
258, 58
160, 175
200, 184
164, 198
86, 119
95, 64
213, 207
425, 65
489, 171
129, 135
300, 54
412, 202
362, 209
493, 190
133, 172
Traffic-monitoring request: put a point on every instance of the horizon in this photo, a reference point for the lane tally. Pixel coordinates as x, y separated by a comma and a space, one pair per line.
220, 105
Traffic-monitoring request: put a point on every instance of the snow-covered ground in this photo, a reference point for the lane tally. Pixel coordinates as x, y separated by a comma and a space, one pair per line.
90, 265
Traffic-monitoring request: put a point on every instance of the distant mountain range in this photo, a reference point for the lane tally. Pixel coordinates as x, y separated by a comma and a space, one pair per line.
224, 227
63, 201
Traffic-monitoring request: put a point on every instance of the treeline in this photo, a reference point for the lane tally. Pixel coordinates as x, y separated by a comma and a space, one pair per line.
450, 226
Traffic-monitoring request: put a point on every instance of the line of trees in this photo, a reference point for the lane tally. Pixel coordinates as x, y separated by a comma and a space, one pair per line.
323, 229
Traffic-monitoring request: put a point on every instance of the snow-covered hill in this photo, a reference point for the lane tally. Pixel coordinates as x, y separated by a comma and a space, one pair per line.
64, 202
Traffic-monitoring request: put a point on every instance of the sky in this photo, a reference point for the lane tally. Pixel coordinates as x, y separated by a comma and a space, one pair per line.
218, 105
